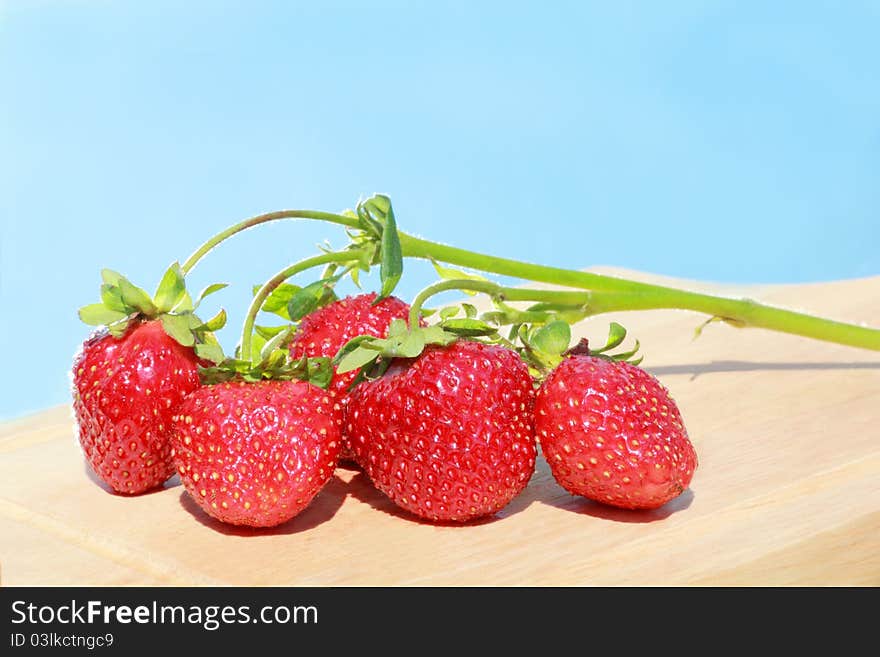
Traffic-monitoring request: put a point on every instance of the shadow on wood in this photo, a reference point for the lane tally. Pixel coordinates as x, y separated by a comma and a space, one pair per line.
321, 509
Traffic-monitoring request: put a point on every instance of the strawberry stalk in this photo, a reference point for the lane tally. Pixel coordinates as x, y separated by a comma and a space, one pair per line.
208, 246
606, 293
335, 258
574, 300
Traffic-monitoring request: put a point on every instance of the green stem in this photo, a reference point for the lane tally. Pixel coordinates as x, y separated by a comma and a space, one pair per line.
494, 290
611, 293
205, 248
267, 288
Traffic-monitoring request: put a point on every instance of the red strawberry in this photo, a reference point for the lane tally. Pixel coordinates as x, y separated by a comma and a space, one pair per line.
256, 453
125, 391
447, 435
131, 374
324, 332
611, 433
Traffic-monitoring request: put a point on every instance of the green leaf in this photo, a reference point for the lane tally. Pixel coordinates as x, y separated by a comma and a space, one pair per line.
367, 223
468, 327
278, 299
268, 332
111, 277
449, 312
257, 343
435, 334
317, 371
408, 345
216, 323
391, 256
616, 335
112, 298
273, 363
355, 359
449, 274
626, 355
178, 327
470, 311
209, 351
136, 298
184, 304
303, 302
380, 204
364, 341
209, 290
396, 327
171, 289
275, 343
117, 329
97, 314
552, 338
311, 297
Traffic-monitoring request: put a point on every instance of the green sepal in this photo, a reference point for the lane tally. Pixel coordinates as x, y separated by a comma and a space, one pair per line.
122, 302
552, 339
210, 289
277, 367
118, 329
616, 336
179, 328
211, 351
112, 299
136, 298
317, 371
111, 277
278, 299
467, 327
273, 344
311, 297
269, 332
356, 358
170, 290
97, 314
625, 356
216, 323
364, 352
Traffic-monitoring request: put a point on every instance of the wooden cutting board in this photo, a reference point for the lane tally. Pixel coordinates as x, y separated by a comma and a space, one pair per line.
787, 492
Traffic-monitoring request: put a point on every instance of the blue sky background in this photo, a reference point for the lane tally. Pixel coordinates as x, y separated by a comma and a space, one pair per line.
729, 141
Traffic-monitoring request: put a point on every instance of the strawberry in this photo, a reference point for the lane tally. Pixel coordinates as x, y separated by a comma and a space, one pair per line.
611, 432
447, 435
324, 331
125, 392
130, 375
257, 453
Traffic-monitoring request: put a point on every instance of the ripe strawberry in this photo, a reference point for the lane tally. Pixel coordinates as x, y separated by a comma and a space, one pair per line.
324, 332
256, 454
447, 435
130, 375
126, 390
611, 433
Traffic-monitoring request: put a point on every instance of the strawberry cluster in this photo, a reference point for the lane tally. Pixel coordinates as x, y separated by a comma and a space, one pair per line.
446, 417
450, 435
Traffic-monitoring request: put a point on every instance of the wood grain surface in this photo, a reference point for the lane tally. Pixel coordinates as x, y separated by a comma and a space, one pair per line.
787, 491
